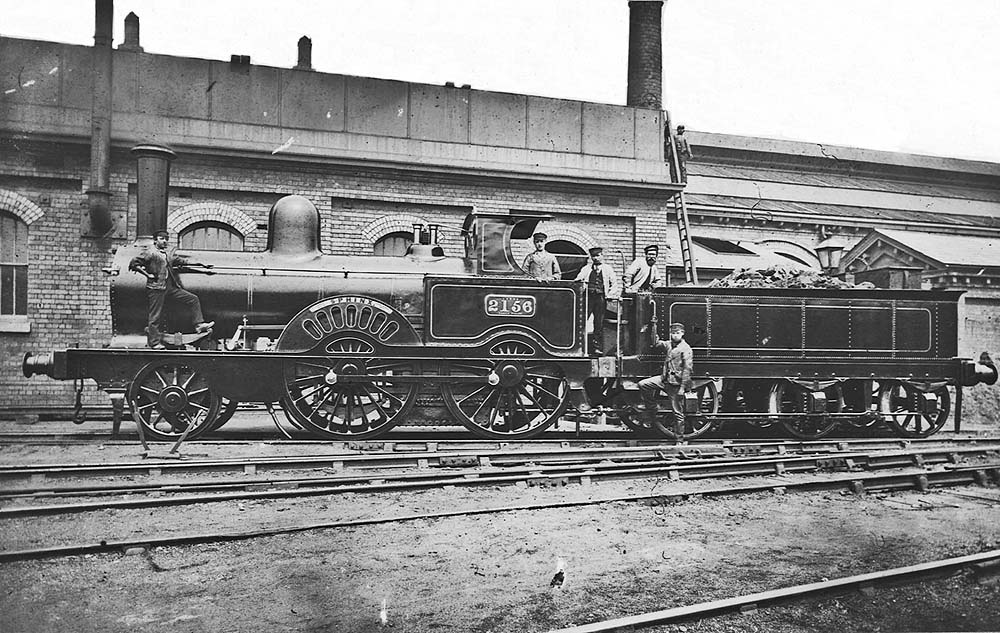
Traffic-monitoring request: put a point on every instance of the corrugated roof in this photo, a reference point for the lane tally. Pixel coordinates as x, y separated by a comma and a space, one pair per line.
741, 172
954, 250
838, 210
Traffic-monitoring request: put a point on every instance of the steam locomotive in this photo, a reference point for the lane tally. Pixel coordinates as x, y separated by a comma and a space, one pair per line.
348, 343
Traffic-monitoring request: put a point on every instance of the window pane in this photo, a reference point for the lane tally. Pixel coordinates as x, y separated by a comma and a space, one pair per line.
6, 238
20, 290
6, 289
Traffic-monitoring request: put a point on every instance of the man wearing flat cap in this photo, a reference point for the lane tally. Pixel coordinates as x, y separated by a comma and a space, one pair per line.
642, 275
675, 378
540, 263
602, 284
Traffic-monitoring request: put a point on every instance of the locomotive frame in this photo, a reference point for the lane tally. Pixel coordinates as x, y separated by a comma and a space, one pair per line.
361, 336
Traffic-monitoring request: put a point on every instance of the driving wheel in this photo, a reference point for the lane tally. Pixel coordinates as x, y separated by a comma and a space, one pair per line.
505, 399
321, 403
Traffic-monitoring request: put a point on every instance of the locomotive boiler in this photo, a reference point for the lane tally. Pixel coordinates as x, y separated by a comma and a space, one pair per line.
347, 343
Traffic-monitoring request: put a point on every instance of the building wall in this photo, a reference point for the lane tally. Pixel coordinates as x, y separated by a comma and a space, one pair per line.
69, 292
979, 315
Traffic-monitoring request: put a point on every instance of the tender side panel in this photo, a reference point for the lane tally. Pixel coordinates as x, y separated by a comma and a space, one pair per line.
854, 333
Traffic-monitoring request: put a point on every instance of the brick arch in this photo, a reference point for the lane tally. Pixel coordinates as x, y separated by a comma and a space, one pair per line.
187, 215
20, 206
568, 232
387, 224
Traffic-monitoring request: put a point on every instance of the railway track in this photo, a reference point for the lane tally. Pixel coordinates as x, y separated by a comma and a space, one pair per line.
858, 483
383, 456
387, 473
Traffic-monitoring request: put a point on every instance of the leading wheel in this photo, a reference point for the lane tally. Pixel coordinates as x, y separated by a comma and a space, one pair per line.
787, 397
695, 425
914, 413
168, 397
320, 403
507, 399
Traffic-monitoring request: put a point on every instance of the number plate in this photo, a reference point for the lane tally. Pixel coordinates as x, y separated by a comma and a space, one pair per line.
510, 306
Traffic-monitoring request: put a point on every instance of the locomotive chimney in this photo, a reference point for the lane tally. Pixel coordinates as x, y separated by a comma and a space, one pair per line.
305, 54
418, 231
99, 192
433, 230
152, 178
645, 54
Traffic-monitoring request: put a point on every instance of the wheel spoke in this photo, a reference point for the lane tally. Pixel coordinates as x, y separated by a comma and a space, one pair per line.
532, 398
543, 389
163, 381
483, 403
386, 393
322, 401
477, 391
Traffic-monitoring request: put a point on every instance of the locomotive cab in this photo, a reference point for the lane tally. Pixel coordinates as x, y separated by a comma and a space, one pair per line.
488, 238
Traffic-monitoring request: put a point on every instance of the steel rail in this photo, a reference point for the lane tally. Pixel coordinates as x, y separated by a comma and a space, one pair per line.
910, 573
433, 459
428, 455
858, 483
383, 482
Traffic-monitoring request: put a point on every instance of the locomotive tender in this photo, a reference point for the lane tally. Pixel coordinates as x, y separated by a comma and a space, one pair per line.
358, 338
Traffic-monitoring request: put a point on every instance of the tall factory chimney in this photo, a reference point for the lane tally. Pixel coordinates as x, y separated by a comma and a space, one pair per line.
645, 54
99, 193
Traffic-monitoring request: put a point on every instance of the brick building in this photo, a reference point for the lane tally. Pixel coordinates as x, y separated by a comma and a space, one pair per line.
377, 155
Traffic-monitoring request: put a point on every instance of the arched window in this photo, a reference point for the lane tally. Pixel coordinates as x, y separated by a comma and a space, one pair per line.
571, 257
210, 236
13, 265
393, 244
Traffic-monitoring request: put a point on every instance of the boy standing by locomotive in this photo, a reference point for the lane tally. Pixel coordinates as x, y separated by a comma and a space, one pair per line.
675, 378
157, 264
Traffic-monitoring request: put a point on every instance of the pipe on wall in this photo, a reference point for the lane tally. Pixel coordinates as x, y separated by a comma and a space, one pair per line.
99, 193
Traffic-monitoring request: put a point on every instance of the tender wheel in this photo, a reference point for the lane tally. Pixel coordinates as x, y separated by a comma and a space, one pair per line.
862, 397
610, 393
515, 399
167, 397
909, 413
323, 405
694, 425
787, 397
227, 409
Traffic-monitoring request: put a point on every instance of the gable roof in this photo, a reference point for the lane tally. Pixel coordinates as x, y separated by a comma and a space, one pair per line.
937, 250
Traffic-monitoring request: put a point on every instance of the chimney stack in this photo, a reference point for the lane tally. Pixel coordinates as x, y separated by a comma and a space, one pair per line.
645, 54
99, 192
152, 181
305, 54
131, 42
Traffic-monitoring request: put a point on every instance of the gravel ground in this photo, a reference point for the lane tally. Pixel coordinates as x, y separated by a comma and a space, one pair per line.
493, 572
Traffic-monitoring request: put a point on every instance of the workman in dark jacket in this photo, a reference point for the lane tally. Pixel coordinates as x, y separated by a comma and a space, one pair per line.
675, 378
157, 263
